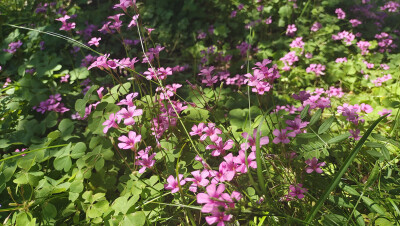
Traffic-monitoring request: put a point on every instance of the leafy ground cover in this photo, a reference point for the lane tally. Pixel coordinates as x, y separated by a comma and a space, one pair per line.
206, 112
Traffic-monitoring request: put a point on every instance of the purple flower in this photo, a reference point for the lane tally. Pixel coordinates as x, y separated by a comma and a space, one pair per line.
199, 179
297, 191
314, 165
282, 136
340, 13
143, 159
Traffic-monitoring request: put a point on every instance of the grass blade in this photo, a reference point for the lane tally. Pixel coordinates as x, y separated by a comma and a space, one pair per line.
341, 172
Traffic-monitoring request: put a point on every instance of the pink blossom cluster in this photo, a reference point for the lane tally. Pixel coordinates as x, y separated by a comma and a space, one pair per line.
351, 112
291, 29
385, 42
318, 69
355, 22
145, 160
65, 25
169, 91
363, 45
22, 150
391, 6
346, 36
106, 63
341, 60
111, 26
152, 53
288, 60
315, 99
124, 4
51, 104
340, 13
263, 77
296, 190
297, 43
243, 47
159, 73
167, 118
13, 46
380, 80
369, 65
316, 26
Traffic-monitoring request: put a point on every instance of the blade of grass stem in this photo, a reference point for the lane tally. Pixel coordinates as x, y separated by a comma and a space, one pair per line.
342, 171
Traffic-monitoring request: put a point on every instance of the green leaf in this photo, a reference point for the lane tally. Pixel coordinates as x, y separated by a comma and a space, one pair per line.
373, 144
304, 112
79, 73
306, 135
49, 211
134, 219
25, 219
315, 117
385, 153
63, 162
339, 138
339, 201
371, 204
78, 150
373, 175
334, 220
326, 125
76, 186
359, 218
66, 127
80, 106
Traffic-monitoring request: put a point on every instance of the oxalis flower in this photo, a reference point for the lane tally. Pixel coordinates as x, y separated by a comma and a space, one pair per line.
130, 141
173, 183
314, 165
297, 190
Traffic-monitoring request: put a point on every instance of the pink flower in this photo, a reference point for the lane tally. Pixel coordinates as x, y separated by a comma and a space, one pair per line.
282, 136
316, 26
199, 179
124, 4
94, 41
314, 165
384, 112
173, 183
218, 217
355, 22
145, 160
220, 147
22, 150
250, 141
128, 100
110, 122
134, 21
340, 13
130, 141
197, 129
291, 29
211, 198
128, 114
297, 191
64, 78
355, 134
268, 20
210, 131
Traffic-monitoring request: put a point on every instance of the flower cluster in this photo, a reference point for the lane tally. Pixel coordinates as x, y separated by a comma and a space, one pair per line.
363, 45
380, 80
65, 25
318, 69
51, 104
263, 77
346, 36
13, 46
288, 60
